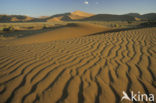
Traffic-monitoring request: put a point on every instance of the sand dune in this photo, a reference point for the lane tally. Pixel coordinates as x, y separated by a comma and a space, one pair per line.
71, 30
76, 15
79, 15
91, 69
58, 19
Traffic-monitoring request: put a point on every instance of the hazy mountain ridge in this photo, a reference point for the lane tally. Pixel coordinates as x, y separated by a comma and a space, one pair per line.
110, 17
79, 15
15, 18
149, 16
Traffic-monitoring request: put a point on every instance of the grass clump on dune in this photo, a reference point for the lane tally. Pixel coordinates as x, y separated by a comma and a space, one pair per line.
7, 29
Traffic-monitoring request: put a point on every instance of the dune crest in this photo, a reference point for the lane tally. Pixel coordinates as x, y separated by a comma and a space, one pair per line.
76, 15
79, 15
55, 19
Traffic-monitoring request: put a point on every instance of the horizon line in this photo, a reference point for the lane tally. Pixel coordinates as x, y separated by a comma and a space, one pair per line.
8, 14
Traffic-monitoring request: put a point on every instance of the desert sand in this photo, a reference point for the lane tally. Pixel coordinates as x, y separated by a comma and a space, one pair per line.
71, 30
78, 67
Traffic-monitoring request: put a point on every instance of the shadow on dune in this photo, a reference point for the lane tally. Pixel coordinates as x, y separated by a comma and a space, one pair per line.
24, 33
141, 26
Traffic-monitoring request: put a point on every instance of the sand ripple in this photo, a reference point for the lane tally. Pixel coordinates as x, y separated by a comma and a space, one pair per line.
92, 69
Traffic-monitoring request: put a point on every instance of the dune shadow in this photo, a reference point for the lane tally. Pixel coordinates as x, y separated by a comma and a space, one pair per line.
24, 33
141, 26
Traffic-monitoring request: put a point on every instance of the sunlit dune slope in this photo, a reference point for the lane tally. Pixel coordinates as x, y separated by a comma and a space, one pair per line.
79, 15
76, 15
68, 31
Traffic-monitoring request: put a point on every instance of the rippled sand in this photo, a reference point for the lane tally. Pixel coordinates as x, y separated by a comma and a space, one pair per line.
91, 69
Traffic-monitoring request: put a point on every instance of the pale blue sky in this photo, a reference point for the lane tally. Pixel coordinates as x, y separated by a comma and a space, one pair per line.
50, 7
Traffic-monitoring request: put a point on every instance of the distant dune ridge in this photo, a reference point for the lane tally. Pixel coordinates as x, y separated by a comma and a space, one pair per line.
91, 69
109, 17
78, 15
15, 18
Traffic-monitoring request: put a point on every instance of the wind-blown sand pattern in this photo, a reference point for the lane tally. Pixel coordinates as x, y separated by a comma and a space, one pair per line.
91, 69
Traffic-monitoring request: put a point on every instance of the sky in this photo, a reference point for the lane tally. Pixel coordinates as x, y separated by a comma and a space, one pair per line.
36, 8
